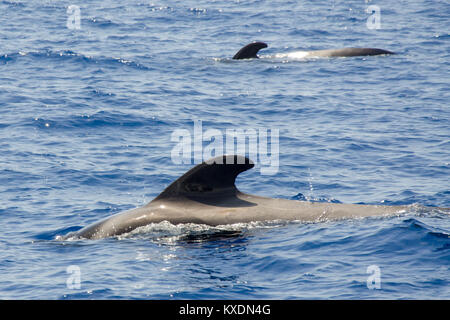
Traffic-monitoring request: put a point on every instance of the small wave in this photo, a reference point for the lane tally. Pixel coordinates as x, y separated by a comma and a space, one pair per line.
418, 200
89, 294
96, 120
56, 234
153, 7
72, 57
102, 22
429, 233
13, 3
198, 11
442, 36
419, 227
8, 58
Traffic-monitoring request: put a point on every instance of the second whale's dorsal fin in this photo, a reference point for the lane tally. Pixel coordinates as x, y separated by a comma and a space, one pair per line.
216, 175
250, 50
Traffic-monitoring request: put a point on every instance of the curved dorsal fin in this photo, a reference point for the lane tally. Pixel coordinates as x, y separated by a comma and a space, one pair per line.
250, 50
214, 175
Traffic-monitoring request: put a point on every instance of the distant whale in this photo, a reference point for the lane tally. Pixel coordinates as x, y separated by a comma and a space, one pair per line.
251, 50
207, 194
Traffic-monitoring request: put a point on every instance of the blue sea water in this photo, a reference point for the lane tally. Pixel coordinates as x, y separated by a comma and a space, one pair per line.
87, 115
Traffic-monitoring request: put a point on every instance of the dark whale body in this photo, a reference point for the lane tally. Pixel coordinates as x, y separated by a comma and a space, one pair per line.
207, 194
251, 50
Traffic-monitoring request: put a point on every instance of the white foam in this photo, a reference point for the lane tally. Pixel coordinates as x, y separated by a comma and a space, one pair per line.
296, 55
172, 232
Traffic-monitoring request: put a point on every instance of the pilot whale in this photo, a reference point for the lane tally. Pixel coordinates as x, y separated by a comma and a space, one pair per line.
251, 50
207, 194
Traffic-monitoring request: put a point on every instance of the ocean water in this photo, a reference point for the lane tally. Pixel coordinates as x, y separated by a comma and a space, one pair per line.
92, 92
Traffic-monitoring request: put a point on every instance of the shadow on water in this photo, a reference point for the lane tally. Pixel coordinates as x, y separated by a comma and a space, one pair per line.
209, 237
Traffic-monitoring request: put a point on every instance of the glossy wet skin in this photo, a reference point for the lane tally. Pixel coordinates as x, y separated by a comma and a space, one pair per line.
250, 51
206, 194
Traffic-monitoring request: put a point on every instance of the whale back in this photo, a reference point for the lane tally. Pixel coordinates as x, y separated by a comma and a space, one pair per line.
213, 177
349, 52
250, 50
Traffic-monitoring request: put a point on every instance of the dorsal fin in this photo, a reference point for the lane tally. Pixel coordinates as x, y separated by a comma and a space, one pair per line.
250, 50
216, 175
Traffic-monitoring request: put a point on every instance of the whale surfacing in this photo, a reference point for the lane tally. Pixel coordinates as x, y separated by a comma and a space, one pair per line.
251, 51
207, 194
348, 52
